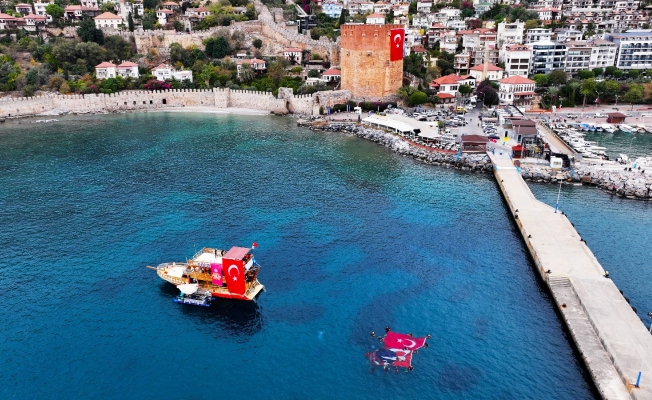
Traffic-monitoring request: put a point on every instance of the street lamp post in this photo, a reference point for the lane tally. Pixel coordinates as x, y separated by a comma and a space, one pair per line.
616, 105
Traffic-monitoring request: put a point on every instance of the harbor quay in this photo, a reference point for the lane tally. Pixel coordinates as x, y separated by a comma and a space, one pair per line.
613, 342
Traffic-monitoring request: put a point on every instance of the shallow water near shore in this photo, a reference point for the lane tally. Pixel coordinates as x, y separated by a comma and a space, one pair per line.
352, 238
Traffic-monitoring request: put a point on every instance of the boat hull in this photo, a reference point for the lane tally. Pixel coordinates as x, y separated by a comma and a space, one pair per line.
252, 289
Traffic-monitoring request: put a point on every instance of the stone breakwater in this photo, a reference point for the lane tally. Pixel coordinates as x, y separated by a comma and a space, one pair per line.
634, 184
478, 162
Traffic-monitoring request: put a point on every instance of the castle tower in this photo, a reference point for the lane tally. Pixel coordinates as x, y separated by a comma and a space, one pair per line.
367, 69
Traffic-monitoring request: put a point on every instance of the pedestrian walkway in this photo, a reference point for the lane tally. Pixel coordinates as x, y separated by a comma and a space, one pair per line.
610, 336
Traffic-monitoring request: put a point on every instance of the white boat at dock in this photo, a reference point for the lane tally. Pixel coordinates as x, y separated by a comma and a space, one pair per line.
641, 128
648, 129
625, 128
609, 128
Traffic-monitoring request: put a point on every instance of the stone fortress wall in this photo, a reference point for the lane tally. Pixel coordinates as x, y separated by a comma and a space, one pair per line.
286, 102
365, 60
277, 35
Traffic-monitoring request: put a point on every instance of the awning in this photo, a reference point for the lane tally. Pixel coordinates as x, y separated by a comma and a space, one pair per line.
445, 95
236, 253
389, 123
524, 94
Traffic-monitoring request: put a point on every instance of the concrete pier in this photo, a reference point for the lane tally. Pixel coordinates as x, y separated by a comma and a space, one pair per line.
611, 338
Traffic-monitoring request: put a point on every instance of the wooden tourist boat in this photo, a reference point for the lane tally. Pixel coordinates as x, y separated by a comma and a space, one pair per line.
229, 274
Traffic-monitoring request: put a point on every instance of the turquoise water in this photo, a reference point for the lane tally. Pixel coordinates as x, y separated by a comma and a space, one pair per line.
632, 144
352, 238
618, 232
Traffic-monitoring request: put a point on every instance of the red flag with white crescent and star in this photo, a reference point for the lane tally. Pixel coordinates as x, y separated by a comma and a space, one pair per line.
395, 340
233, 271
396, 40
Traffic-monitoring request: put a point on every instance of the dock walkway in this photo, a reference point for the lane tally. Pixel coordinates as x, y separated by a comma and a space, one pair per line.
609, 335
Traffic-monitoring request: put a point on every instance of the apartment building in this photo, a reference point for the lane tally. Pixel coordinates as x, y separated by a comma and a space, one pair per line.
578, 56
547, 56
538, 35
633, 49
510, 33
517, 58
603, 53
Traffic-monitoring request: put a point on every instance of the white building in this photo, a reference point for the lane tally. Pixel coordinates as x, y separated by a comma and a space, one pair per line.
493, 73
107, 20
603, 53
7, 21
164, 15
332, 8
105, 70
128, 69
164, 72
547, 57
375, 19
39, 8
578, 56
366, 8
538, 35
332, 75
23, 9
382, 7
517, 59
633, 49
294, 54
256, 64
510, 33
516, 90
424, 6
548, 13
565, 35
91, 3
34, 23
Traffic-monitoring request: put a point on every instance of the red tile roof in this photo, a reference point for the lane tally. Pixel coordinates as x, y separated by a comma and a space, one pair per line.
107, 15
445, 95
127, 64
490, 67
516, 79
7, 17
332, 71
292, 50
447, 80
105, 64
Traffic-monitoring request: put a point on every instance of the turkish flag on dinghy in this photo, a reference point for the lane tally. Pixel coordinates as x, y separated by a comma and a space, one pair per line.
402, 341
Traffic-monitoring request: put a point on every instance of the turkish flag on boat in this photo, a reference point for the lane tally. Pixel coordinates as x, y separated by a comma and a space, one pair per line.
399, 341
396, 40
233, 271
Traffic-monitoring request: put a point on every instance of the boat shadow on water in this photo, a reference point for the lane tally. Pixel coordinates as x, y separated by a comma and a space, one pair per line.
230, 318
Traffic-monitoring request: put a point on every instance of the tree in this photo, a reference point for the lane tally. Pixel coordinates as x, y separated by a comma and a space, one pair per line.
557, 77
118, 49
531, 24
343, 16
389, 17
610, 71
488, 93
90, 54
633, 73
414, 64
247, 74
257, 43
413, 7
417, 98
618, 73
130, 23
588, 89
540, 79
89, 33
573, 86
634, 95
206, 74
276, 72
54, 10
598, 71
585, 74
218, 47
465, 89
107, 7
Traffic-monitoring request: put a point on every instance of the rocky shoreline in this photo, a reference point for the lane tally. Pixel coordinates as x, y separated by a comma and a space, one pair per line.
631, 184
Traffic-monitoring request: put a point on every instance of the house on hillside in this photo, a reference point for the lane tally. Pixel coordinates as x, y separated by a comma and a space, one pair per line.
107, 20
164, 16
7, 21
76, 13
32, 22
105, 70
332, 75
447, 86
375, 19
128, 70
294, 54
164, 72
256, 64
24, 9
39, 9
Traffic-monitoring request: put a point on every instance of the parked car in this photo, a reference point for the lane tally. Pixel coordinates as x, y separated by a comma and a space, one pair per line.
628, 115
600, 115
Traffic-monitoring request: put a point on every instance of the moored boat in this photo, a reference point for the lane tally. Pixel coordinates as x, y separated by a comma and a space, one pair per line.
625, 128
609, 128
192, 295
648, 129
229, 274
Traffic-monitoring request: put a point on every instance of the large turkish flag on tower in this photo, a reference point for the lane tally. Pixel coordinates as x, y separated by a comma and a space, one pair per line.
396, 40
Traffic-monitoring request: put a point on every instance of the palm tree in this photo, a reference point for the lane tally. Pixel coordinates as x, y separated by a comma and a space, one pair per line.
247, 73
553, 94
574, 86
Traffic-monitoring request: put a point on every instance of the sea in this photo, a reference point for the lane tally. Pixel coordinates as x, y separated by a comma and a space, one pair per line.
352, 237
